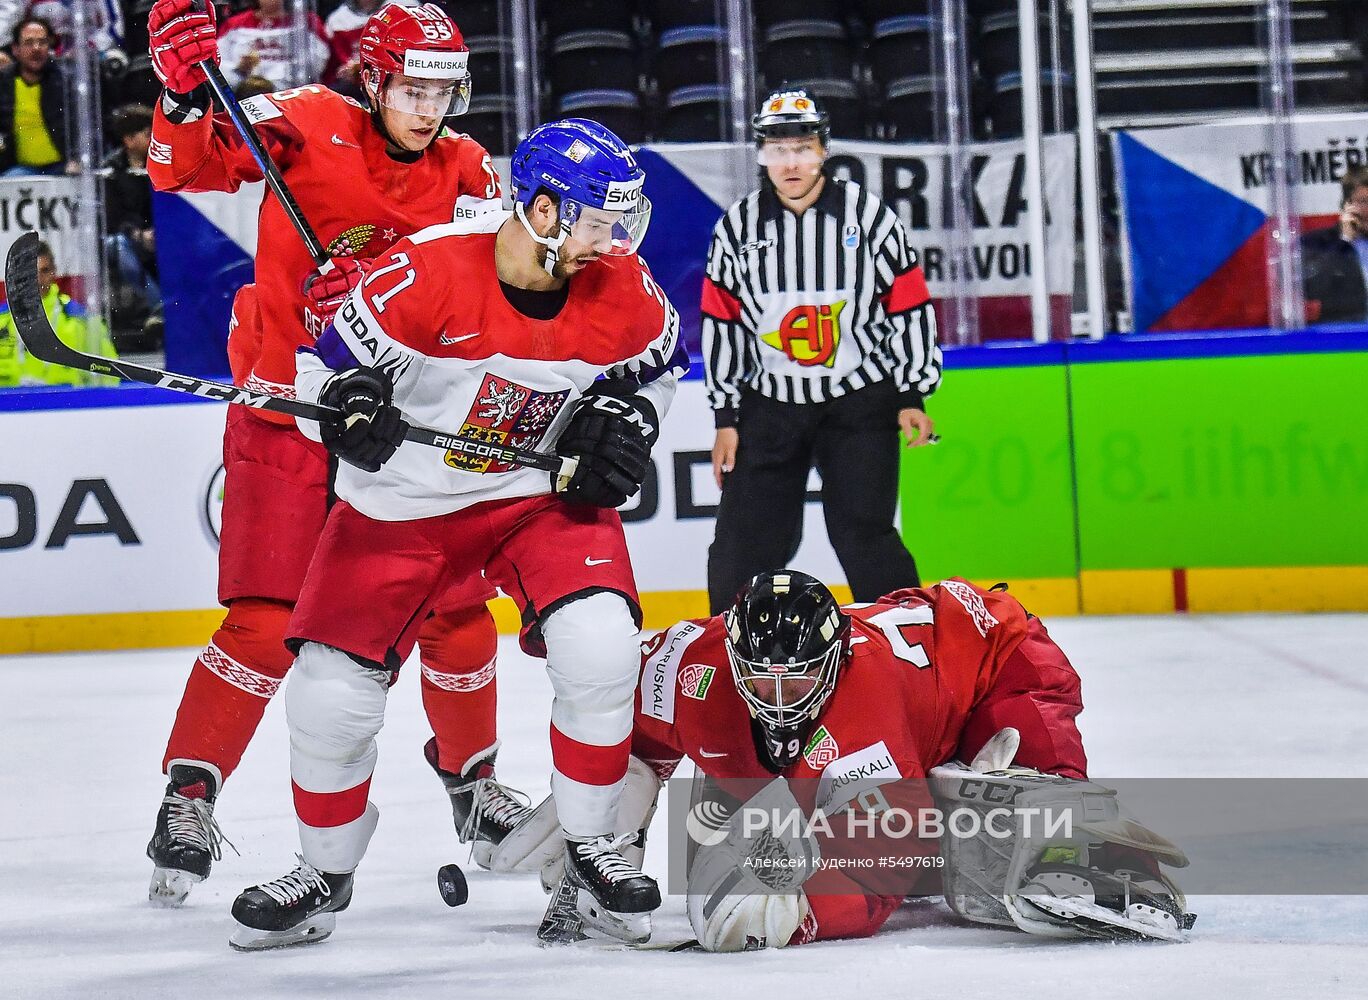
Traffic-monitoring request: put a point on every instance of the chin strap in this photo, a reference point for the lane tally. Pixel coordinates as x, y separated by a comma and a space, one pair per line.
552, 243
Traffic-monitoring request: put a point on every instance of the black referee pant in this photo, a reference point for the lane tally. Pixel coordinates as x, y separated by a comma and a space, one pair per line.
853, 441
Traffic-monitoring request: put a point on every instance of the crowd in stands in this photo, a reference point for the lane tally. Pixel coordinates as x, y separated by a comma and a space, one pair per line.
259, 53
658, 53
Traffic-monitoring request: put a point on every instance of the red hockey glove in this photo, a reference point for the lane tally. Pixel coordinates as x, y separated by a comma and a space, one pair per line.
179, 37
325, 293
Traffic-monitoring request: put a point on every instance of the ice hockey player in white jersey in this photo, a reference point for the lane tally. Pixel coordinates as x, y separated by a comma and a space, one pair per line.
544, 330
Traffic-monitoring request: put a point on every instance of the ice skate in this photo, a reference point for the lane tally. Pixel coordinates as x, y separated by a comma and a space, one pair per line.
608, 893
187, 840
484, 810
297, 908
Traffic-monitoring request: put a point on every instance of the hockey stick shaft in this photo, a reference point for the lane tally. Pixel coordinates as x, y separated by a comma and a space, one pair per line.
269, 171
40, 340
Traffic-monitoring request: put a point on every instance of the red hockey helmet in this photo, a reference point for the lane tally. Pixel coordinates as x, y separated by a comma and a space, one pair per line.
424, 46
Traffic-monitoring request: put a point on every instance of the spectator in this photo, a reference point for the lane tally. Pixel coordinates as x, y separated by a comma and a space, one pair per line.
77, 330
1335, 259
254, 86
258, 42
33, 105
809, 363
130, 243
344, 37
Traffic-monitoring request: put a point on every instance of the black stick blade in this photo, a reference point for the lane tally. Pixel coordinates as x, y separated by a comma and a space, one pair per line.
26, 302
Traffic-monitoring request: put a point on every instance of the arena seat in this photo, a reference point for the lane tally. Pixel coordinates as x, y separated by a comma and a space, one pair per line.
1005, 104
489, 122
619, 110
688, 56
900, 47
605, 60
909, 110
693, 114
477, 17
819, 48
565, 16
667, 14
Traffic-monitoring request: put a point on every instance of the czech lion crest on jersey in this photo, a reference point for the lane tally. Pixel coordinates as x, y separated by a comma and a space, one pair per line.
505, 412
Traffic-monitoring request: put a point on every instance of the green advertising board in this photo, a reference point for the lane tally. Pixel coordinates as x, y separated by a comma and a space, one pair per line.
1162, 454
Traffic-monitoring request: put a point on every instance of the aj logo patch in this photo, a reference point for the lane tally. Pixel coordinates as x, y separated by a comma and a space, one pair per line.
809, 335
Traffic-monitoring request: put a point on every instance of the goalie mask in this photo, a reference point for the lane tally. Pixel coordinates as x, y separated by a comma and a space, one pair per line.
786, 639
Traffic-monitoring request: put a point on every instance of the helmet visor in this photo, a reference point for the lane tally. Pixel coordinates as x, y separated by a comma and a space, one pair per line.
790, 152
411, 95
784, 694
607, 232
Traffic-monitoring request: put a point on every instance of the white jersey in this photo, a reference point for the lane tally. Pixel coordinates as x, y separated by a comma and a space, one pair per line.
464, 361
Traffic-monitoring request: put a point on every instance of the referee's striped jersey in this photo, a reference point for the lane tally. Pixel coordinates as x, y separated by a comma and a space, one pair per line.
807, 308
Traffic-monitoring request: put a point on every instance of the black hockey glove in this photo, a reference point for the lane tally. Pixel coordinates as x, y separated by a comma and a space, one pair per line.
611, 433
370, 428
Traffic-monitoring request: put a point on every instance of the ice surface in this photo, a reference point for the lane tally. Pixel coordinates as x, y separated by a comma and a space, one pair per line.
82, 737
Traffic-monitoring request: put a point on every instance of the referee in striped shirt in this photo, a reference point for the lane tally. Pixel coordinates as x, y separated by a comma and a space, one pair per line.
819, 344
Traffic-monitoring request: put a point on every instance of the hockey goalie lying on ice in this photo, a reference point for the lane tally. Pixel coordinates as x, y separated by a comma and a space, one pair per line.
791, 695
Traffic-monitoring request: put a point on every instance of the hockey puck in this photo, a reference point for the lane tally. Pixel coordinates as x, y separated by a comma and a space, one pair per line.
451, 883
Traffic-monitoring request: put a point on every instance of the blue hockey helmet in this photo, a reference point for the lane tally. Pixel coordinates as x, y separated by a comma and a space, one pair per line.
594, 178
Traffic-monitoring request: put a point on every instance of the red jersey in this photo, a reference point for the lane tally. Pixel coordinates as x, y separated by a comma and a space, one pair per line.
462, 359
932, 674
358, 199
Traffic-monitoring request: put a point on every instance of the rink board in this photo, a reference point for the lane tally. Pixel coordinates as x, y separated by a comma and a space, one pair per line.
110, 503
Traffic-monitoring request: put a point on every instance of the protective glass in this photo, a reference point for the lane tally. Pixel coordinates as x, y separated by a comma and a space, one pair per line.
612, 233
783, 152
784, 694
426, 98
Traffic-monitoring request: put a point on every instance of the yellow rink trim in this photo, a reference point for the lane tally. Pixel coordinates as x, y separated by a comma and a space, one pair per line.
1298, 588
1147, 591
115, 630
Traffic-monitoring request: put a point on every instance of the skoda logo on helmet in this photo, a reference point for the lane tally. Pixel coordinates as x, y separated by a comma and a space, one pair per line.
623, 195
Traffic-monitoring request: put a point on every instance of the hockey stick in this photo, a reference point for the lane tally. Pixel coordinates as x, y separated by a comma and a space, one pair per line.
40, 340
269, 171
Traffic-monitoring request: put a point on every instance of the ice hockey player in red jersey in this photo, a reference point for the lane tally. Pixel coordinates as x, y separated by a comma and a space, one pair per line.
544, 331
875, 697
363, 178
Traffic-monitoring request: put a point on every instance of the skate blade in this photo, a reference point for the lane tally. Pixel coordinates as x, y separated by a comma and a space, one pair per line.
170, 886
311, 931
1139, 922
482, 853
630, 928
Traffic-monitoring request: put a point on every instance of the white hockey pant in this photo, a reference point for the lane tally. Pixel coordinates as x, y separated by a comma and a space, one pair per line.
335, 708
593, 656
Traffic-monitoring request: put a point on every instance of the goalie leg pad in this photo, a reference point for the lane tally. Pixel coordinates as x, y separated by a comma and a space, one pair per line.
538, 842
1059, 838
